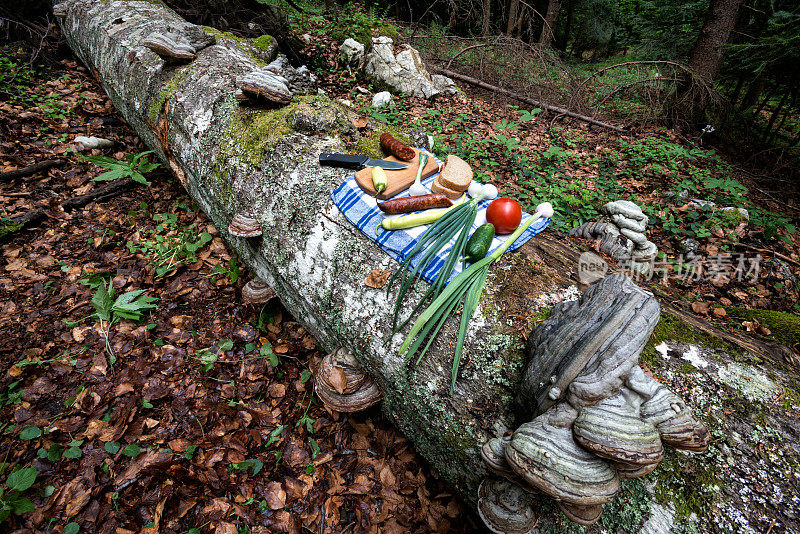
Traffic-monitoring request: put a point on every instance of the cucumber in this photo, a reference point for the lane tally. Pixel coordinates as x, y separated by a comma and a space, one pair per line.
479, 243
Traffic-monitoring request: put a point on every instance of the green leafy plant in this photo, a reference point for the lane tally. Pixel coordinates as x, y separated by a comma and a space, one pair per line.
169, 245
11, 499
134, 166
253, 464
30, 432
275, 435
110, 309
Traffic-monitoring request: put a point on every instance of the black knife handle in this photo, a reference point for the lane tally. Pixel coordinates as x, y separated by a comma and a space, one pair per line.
342, 160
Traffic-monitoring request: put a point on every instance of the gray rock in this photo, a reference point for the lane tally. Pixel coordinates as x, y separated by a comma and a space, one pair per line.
444, 84
299, 80
700, 203
784, 270
689, 245
743, 213
351, 53
382, 99
405, 72
679, 197
421, 139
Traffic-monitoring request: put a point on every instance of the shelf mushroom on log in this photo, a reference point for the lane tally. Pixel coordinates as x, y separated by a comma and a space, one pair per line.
597, 418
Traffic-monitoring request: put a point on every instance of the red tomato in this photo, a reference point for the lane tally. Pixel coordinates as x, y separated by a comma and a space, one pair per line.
505, 214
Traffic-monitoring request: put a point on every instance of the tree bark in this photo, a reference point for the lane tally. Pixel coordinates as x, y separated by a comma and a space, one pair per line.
550, 20
512, 17
707, 54
486, 17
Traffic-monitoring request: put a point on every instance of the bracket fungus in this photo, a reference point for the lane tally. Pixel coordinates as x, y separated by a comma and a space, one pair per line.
596, 417
342, 384
262, 85
171, 47
257, 291
621, 233
245, 224
506, 507
493, 454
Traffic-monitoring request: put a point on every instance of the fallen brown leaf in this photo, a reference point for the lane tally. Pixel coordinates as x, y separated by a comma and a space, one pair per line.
701, 308
377, 278
275, 495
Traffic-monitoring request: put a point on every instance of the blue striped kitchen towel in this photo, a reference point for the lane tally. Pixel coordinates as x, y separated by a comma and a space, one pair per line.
362, 210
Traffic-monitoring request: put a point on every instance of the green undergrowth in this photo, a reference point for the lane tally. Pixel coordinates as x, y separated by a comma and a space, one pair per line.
578, 181
351, 21
784, 326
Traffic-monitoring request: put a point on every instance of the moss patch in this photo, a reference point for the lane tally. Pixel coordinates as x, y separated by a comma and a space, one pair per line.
670, 327
370, 144
785, 326
263, 42
365, 35
157, 106
690, 483
261, 49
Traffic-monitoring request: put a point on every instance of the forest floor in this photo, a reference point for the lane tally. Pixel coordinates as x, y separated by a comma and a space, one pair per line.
202, 415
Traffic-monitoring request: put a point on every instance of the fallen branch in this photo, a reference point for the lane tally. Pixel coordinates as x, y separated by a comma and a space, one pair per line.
31, 169
34, 216
100, 193
11, 226
769, 350
522, 98
450, 63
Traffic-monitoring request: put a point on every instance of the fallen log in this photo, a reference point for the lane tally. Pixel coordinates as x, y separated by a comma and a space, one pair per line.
233, 158
31, 169
9, 227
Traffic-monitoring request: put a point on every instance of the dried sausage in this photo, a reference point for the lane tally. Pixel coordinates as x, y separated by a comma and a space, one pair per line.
396, 148
417, 203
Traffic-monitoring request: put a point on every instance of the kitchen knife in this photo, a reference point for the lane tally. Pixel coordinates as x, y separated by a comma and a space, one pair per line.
356, 162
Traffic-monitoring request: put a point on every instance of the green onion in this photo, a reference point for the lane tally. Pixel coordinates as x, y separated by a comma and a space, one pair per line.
456, 221
470, 284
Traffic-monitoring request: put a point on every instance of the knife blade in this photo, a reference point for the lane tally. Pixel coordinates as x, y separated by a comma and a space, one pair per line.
356, 162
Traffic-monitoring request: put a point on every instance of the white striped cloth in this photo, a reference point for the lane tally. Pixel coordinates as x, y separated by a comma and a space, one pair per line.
362, 210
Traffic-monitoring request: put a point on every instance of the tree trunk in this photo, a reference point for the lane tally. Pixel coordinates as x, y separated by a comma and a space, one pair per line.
486, 17
231, 158
707, 54
550, 20
512, 17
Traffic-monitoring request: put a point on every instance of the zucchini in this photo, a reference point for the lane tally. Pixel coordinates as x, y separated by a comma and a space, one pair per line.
479, 243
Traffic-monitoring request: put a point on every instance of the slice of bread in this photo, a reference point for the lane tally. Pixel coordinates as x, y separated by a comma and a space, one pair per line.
437, 187
456, 174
